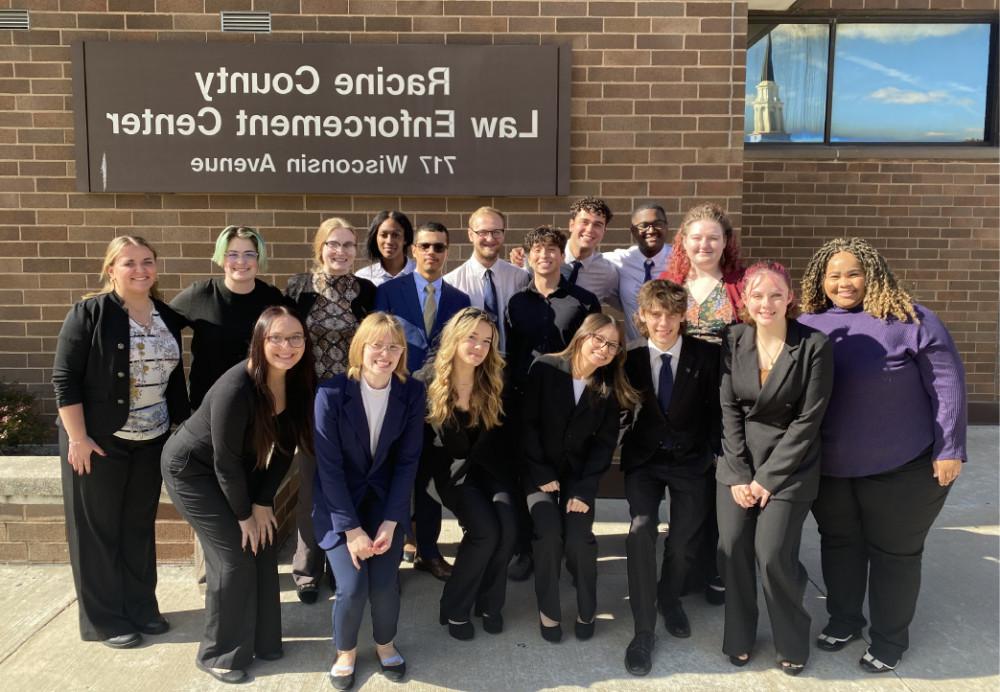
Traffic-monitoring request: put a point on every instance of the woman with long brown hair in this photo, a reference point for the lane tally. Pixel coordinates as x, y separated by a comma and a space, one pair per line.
119, 386
465, 449
571, 416
223, 468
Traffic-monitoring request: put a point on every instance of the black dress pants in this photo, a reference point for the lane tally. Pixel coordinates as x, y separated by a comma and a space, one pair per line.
644, 489
110, 528
242, 599
485, 510
872, 532
559, 534
309, 559
767, 538
426, 515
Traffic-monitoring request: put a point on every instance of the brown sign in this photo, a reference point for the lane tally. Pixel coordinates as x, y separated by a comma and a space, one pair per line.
322, 118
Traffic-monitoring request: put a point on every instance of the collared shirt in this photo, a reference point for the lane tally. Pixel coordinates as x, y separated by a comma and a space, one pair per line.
538, 324
377, 274
471, 278
656, 363
631, 265
597, 275
422, 284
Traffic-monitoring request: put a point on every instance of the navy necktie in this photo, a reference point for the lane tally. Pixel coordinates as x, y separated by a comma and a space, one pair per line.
575, 273
666, 386
648, 264
490, 301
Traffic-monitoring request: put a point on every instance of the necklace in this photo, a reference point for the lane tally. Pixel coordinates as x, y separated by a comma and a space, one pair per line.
768, 364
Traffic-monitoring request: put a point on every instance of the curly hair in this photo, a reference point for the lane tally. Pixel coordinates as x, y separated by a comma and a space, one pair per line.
679, 265
609, 379
753, 276
591, 205
884, 298
485, 404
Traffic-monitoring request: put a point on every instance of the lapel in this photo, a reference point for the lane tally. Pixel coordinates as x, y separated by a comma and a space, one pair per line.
354, 411
782, 367
416, 315
395, 414
644, 380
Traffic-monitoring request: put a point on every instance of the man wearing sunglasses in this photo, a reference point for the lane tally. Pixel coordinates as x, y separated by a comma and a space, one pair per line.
489, 280
422, 302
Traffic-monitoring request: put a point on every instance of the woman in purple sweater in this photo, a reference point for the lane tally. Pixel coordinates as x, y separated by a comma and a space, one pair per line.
893, 443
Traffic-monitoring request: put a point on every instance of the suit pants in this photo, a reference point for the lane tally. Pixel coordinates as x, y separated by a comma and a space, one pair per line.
377, 582
110, 529
309, 559
767, 538
644, 489
485, 510
872, 532
558, 533
426, 516
704, 570
242, 594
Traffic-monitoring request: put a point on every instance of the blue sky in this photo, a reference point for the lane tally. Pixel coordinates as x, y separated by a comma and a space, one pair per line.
903, 82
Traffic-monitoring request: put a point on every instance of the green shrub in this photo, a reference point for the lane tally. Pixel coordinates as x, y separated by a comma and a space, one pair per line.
20, 423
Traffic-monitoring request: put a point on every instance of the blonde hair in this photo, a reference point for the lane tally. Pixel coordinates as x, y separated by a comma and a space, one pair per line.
485, 405
115, 248
375, 326
487, 210
323, 232
609, 378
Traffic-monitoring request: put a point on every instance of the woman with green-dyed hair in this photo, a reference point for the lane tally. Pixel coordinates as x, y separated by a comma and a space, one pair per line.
222, 310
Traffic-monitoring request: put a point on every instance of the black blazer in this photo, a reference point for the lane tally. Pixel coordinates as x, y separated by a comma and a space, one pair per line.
92, 363
771, 434
563, 440
302, 296
692, 423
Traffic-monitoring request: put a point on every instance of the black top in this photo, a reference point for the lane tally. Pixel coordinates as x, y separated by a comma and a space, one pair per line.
92, 363
538, 324
218, 440
222, 322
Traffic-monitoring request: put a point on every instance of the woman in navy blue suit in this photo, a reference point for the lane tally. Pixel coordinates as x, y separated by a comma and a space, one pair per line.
369, 433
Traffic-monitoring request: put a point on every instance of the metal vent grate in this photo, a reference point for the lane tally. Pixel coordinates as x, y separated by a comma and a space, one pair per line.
258, 22
15, 19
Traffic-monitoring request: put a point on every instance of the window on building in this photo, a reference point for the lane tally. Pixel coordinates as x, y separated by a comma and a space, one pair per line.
889, 82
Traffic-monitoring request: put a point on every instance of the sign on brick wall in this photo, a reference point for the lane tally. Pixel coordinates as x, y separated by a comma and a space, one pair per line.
322, 118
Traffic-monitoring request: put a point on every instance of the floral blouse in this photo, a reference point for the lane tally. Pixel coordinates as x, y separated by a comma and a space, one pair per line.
707, 319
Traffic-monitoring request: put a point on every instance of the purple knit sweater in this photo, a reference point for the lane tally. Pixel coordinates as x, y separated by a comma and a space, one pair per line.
898, 388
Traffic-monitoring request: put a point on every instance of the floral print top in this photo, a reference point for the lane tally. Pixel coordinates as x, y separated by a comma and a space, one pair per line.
707, 319
153, 355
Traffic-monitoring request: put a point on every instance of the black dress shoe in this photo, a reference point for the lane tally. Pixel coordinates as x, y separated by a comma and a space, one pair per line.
715, 591
225, 675
584, 630
395, 671
828, 642
270, 655
308, 593
463, 631
157, 625
551, 634
436, 566
123, 641
676, 621
521, 566
639, 654
493, 624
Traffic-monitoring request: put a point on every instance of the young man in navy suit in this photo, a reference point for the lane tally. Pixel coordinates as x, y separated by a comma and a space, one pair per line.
670, 446
423, 302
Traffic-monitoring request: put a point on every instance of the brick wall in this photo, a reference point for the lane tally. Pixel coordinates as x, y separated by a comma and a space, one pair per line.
657, 112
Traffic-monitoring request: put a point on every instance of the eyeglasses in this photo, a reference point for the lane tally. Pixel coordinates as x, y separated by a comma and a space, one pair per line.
294, 341
391, 349
248, 256
646, 225
337, 245
427, 247
600, 342
490, 233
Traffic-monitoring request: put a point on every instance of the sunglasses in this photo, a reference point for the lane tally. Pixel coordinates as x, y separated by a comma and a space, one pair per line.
427, 247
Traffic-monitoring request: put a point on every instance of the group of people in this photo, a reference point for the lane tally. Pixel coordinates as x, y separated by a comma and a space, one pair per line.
502, 393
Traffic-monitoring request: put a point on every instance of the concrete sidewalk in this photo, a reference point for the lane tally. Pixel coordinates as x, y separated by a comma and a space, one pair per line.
954, 640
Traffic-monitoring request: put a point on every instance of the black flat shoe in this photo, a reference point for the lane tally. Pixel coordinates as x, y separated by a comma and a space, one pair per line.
123, 641
870, 664
551, 634
584, 630
639, 654
493, 624
463, 631
230, 677
826, 642
793, 669
270, 655
739, 662
676, 622
341, 680
157, 625
395, 670
521, 566
308, 593
715, 592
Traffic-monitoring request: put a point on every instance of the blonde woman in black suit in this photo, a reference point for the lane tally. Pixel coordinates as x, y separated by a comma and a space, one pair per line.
777, 376
571, 415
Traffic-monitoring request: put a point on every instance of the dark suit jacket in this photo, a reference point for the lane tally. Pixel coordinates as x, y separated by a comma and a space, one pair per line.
692, 421
399, 296
92, 363
346, 471
771, 434
563, 440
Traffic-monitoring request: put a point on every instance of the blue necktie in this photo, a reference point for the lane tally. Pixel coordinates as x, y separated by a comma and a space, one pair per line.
666, 387
490, 301
575, 273
648, 264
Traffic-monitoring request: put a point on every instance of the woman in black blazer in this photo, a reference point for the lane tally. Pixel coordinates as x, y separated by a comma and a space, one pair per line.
119, 386
223, 468
777, 376
571, 417
466, 452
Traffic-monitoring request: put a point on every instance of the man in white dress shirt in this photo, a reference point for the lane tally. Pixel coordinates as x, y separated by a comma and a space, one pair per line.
489, 280
643, 261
